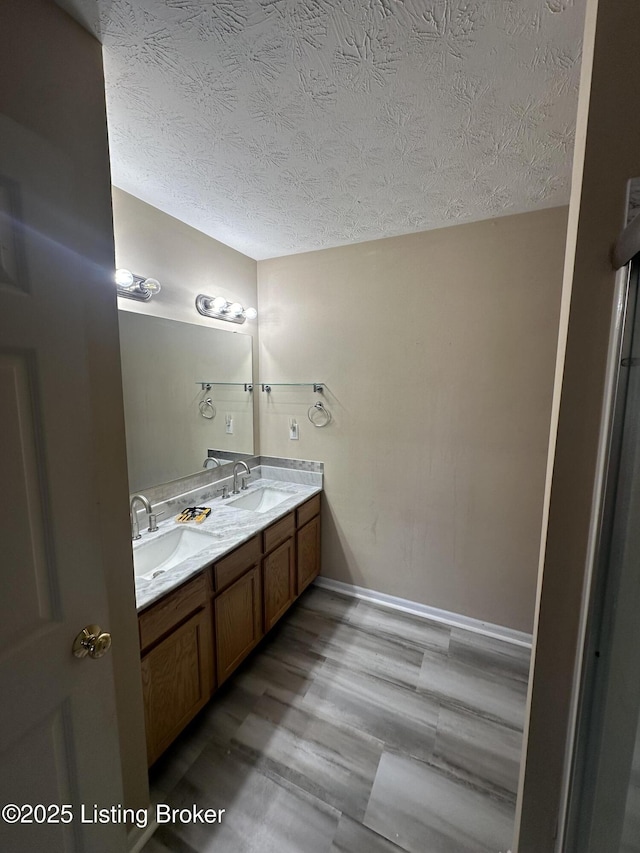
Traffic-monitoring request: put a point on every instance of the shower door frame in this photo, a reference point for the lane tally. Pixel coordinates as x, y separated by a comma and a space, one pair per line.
596, 781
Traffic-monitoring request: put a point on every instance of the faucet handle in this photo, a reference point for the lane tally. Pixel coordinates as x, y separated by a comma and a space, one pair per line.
153, 520
244, 478
224, 491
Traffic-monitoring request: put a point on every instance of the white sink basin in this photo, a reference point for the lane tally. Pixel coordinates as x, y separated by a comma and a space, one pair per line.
165, 551
260, 500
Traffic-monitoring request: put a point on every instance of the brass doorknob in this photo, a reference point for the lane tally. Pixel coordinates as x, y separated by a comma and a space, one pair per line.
92, 641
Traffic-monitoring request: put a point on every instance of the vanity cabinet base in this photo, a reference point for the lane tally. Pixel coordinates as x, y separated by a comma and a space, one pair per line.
194, 637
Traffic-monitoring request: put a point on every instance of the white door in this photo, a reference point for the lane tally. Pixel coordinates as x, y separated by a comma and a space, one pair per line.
58, 727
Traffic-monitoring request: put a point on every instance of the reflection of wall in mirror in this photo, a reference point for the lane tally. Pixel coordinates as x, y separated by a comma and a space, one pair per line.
162, 362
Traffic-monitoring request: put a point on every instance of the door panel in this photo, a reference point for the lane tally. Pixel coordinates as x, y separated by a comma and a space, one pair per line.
50, 736
29, 576
12, 260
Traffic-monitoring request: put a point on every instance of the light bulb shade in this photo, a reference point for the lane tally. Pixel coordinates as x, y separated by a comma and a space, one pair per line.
152, 285
124, 278
219, 303
235, 309
250, 313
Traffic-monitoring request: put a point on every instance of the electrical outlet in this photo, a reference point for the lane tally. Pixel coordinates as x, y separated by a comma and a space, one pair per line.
293, 430
229, 425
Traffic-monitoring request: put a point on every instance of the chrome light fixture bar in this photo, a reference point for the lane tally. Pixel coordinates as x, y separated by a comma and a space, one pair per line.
220, 309
136, 286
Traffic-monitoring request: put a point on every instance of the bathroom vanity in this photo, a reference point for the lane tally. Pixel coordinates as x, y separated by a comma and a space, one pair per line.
196, 632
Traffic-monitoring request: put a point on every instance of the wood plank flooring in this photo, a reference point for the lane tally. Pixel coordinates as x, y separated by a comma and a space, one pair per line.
354, 729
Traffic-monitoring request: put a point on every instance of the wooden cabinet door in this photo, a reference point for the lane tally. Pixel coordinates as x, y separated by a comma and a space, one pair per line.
308, 541
278, 578
177, 680
238, 621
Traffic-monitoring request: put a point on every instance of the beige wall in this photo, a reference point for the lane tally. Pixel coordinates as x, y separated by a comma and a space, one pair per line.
607, 154
186, 262
437, 350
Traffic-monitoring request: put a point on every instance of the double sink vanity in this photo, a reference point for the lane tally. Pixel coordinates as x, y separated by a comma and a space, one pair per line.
207, 593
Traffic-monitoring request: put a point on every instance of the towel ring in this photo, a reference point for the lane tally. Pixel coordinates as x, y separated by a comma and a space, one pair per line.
207, 409
327, 415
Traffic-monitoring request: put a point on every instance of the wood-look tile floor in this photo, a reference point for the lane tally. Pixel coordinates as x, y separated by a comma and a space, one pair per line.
354, 729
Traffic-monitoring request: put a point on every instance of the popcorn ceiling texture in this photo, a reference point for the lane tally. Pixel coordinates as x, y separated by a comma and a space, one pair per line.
280, 126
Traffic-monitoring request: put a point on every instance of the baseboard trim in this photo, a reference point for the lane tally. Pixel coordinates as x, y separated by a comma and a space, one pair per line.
446, 617
138, 840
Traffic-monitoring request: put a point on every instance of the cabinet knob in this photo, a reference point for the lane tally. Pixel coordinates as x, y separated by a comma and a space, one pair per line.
92, 641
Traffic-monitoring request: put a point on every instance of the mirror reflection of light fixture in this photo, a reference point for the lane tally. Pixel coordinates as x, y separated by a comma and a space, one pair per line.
220, 309
136, 286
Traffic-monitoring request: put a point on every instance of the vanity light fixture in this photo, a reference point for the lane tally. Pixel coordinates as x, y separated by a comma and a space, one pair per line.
136, 286
219, 308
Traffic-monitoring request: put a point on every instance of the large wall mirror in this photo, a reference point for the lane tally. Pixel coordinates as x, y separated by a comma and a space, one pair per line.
169, 425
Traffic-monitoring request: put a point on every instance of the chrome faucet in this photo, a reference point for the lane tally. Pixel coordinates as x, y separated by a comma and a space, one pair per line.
212, 459
135, 528
236, 490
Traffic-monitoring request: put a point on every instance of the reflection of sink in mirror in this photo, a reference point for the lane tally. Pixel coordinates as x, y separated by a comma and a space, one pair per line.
260, 500
167, 550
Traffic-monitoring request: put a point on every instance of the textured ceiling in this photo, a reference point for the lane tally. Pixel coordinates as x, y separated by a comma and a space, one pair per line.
279, 126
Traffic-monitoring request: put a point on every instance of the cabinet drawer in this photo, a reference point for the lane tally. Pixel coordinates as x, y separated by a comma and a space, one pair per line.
279, 531
237, 563
160, 618
307, 511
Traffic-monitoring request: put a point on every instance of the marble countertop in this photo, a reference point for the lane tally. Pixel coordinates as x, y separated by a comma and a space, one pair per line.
227, 527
